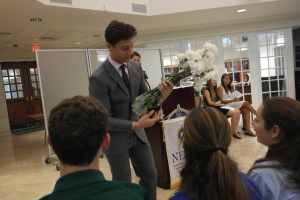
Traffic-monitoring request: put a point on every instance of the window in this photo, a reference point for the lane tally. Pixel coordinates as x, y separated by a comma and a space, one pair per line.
237, 65
272, 64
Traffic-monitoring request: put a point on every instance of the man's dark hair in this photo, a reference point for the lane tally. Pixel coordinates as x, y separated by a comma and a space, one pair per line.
135, 54
117, 31
76, 129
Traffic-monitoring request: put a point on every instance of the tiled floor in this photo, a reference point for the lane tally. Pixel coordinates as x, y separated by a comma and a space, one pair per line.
25, 175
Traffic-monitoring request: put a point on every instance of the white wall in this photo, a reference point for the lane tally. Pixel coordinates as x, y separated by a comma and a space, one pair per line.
218, 29
154, 7
4, 121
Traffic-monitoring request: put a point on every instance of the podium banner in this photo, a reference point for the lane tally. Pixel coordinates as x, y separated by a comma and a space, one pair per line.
173, 130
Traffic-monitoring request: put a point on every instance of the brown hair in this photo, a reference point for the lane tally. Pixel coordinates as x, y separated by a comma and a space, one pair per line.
76, 129
213, 92
226, 87
208, 172
285, 113
117, 31
135, 54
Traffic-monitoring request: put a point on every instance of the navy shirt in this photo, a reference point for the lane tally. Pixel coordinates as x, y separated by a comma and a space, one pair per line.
247, 182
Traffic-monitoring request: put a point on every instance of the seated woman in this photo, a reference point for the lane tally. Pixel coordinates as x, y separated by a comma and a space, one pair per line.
212, 98
136, 57
209, 173
277, 126
224, 90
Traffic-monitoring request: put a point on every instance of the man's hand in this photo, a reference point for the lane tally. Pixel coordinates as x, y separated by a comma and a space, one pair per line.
147, 120
165, 88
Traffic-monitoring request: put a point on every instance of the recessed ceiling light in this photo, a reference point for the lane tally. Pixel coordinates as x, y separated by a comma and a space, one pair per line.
96, 35
47, 38
241, 10
4, 33
36, 19
78, 43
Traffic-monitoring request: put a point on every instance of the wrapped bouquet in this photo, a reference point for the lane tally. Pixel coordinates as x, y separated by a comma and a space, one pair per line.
199, 64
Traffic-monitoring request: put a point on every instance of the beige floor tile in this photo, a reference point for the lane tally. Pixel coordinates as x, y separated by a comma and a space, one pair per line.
21, 195
6, 190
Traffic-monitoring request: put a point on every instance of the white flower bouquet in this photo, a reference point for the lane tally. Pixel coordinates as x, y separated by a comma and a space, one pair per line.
199, 64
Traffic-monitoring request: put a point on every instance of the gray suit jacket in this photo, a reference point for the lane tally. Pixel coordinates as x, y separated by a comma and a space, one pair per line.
108, 87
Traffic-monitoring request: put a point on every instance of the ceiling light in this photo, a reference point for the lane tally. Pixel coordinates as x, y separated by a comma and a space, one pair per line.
35, 19
241, 10
78, 43
4, 33
47, 38
96, 35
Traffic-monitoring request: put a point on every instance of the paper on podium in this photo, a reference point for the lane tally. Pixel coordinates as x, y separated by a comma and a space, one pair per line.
235, 94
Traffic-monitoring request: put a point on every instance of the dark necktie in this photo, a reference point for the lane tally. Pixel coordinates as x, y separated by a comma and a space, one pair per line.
125, 77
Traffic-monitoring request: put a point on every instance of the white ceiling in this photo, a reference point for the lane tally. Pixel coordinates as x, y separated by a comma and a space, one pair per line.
66, 26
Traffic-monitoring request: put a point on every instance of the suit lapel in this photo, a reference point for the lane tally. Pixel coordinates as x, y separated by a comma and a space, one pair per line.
132, 76
113, 73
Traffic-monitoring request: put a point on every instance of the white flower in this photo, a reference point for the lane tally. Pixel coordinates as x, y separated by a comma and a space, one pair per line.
199, 86
189, 55
181, 56
191, 63
200, 51
211, 47
208, 65
199, 68
197, 56
215, 68
201, 63
185, 65
210, 55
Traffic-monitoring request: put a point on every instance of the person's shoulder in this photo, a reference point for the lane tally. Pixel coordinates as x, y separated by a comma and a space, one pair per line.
251, 186
100, 69
181, 195
45, 197
136, 190
262, 167
245, 178
134, 63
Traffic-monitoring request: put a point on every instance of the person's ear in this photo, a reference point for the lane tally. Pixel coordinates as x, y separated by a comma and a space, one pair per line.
109, 46
48, 141
105, 142
276, 133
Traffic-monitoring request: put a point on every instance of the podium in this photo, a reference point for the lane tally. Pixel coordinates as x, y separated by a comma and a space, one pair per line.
185, 97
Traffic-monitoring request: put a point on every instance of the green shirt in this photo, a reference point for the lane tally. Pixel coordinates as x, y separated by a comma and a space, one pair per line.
91, 184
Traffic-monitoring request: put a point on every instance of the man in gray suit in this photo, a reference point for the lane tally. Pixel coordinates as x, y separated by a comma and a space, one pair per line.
116, 86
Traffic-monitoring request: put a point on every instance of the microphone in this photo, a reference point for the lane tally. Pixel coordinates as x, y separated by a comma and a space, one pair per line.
145, 75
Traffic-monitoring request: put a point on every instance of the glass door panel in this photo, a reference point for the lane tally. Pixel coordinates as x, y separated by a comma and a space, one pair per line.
272, 64
237, 64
